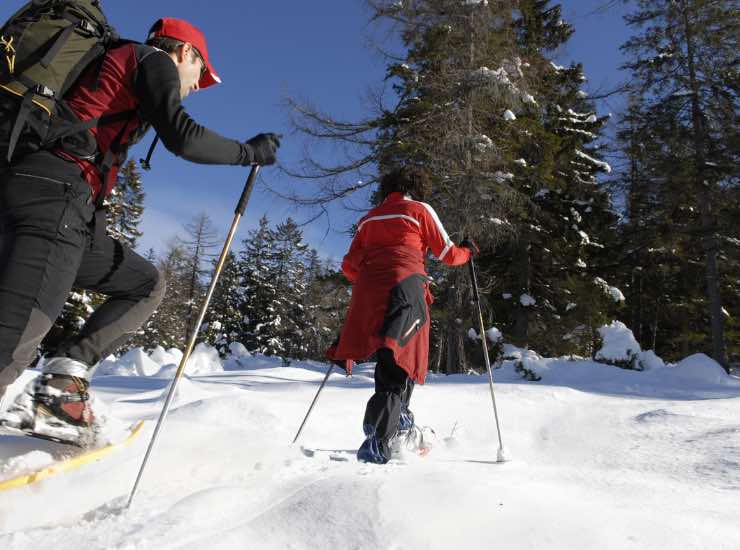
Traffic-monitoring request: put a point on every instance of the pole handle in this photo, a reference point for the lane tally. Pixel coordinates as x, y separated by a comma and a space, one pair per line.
248, 186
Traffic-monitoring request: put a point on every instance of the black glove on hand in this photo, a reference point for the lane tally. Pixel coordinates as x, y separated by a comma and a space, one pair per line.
470, 245
264, 148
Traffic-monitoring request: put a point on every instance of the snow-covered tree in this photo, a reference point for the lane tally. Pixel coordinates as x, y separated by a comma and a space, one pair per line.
288, 263
259, 291
125, 205
223, 321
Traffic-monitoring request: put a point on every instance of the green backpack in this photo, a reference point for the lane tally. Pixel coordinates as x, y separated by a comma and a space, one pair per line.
44, 48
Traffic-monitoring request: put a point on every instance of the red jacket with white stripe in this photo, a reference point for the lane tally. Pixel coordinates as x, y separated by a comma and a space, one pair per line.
401, 222
390, 298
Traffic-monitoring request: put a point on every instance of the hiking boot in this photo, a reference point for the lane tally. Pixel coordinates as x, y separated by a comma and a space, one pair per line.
56, 404
373, 449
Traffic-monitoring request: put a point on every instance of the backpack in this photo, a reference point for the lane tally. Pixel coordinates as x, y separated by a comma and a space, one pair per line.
46, 46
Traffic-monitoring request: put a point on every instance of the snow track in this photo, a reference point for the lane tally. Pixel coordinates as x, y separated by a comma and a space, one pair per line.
602, 458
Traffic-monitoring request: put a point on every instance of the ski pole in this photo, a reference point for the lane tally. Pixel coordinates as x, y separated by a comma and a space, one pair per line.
238, 213
316, 398
502, 455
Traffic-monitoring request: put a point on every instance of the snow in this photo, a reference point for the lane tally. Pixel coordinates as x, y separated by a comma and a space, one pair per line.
619, 343
612, 291
494, 335
483, 143
602, 457
502, 177
603, 165
509, 116
526, 300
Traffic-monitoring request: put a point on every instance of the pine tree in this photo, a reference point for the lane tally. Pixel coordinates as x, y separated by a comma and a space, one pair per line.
554, 271
167, 326
259, 291
325, 305
199, 245
288, 261
223, 320
125, 206
682, 62
510, 138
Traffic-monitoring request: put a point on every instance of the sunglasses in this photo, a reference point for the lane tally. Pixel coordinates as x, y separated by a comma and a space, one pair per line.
203, 67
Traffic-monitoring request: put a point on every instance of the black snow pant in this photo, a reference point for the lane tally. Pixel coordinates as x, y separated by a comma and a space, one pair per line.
393, 390
48, 245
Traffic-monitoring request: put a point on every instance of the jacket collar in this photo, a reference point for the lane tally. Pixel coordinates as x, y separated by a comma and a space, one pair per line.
397, 196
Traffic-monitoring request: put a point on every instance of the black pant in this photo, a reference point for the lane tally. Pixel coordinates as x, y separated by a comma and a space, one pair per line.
47, 246
393, 390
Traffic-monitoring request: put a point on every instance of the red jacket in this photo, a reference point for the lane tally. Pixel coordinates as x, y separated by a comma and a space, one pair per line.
110, 92
144, 81
391, 298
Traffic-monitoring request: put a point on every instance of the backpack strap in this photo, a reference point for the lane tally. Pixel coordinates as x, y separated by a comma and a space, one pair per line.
109, 158
20, 121
92, 123
77, 24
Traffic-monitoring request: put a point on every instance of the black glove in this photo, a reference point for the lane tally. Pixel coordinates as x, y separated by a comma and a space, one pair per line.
470, 245
263, 148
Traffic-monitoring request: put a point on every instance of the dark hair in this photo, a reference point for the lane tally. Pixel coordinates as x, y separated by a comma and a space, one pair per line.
409, 180
165, 43
170, 45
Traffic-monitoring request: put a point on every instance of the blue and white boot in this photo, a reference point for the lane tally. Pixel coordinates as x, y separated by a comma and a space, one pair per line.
373, 450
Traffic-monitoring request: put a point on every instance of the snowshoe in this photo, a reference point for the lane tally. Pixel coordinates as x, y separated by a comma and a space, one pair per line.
56, 405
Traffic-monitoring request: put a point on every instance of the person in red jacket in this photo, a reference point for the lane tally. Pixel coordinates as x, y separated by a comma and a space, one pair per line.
52, 234
389, 311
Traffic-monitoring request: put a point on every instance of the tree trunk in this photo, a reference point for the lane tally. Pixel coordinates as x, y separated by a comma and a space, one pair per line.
456, 362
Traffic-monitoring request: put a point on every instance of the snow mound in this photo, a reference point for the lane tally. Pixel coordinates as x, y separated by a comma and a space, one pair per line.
139, 362
650, 360
204, 360
238, 350
700, 368
172, 356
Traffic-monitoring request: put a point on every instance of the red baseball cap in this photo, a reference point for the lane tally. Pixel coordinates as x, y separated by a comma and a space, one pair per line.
185, 32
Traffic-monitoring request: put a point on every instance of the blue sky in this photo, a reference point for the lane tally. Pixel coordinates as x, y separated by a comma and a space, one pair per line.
316, 50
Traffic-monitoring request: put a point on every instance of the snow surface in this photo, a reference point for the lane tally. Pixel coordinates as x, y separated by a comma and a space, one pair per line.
601, 458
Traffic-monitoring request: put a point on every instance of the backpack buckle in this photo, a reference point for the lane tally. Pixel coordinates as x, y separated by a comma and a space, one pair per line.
87, 27
45, 91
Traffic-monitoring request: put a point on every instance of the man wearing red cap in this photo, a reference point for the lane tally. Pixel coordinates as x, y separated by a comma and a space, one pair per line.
52, 234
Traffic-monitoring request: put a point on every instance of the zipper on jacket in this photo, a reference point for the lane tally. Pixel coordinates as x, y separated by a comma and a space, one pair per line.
413, 327
44, 178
